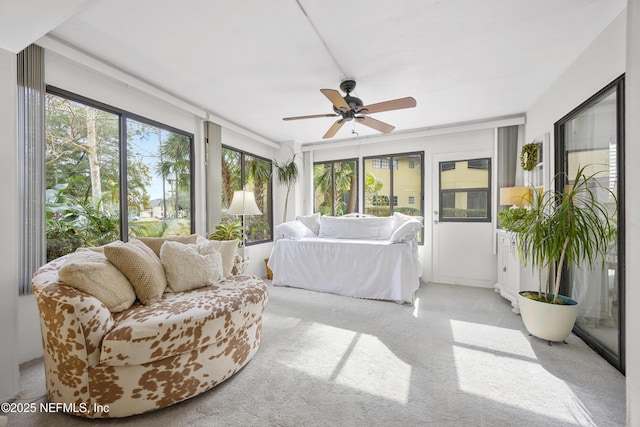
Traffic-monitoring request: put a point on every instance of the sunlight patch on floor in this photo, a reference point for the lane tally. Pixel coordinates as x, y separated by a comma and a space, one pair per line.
352, 359
510, 341
488, 357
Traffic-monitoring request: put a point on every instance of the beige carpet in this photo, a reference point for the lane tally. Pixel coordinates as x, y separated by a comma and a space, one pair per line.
458, 358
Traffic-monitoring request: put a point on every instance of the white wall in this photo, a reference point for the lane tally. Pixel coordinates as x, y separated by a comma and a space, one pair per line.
632, 176
8, 251
29, 336
601, 63
81, 80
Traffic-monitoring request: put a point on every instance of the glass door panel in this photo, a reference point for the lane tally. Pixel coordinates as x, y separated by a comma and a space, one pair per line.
590, 137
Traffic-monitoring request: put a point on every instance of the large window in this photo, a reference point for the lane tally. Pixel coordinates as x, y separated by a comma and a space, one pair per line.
394, 183
111, 175
244, 171
465, 191
398, 189
336, 187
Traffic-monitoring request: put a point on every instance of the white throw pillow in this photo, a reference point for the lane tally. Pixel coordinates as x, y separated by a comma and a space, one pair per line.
190, 266
400, 218
227, 249
91, 272
407, 231
357, 215
311, 221
293, 230
374, 228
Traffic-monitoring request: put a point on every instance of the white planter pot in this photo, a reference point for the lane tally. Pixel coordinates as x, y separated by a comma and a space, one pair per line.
551, 322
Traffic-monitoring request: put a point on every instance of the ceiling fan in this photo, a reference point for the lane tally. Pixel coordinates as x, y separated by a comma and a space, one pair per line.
351, 108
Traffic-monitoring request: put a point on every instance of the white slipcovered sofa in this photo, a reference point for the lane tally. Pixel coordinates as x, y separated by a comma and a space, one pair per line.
130, 328
356, 256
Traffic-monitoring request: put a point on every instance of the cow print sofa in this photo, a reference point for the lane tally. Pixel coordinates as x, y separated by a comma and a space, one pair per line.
103, 362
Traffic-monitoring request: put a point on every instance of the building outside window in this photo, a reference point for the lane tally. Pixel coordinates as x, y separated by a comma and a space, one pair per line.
391, 190
465, 191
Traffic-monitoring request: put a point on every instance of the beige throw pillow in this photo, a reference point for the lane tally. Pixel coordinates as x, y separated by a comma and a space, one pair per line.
190, 266
227, 249
91, 272
141, 266
155, 243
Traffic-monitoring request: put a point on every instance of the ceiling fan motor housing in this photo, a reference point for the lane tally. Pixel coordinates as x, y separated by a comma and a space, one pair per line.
354, 103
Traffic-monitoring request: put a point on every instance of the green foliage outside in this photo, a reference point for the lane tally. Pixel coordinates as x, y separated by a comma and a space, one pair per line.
71, 224
338, 191
82, 176
257, 178
464, 213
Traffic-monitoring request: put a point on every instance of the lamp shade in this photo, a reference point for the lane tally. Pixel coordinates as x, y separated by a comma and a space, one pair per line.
515, 196
243, 203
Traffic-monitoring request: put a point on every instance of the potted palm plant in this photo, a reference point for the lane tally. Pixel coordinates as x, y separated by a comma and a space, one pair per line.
573, 226
287, 174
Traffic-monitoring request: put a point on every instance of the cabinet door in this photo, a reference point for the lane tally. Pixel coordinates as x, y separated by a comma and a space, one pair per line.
513, 267
502, 262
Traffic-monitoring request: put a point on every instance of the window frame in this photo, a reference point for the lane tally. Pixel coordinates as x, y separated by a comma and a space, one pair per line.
441, 192
333, 182
123, 115
617, 86
394, 166
243, 154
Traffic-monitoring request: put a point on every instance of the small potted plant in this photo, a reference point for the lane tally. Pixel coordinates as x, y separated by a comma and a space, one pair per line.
231, 230
573, 226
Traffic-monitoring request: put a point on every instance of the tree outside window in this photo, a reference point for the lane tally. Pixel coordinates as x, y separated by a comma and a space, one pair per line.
246, 171
336, 187
86, 205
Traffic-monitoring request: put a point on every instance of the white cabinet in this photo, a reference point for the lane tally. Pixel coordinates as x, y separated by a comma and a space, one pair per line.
513, 277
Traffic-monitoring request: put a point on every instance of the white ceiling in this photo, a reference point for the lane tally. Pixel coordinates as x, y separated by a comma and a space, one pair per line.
253, 62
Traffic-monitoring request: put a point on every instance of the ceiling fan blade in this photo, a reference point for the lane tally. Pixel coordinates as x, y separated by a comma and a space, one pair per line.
314, 116
336, 99
396, 104
375, 124
333, 129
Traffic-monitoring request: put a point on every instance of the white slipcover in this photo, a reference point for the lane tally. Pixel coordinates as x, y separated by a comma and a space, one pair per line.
374, 269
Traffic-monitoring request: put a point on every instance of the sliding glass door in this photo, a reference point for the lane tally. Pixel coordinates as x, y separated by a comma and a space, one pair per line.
593, 136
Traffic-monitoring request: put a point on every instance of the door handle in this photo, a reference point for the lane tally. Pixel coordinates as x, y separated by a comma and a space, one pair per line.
435, 221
